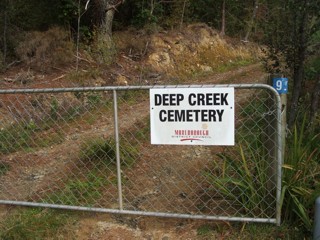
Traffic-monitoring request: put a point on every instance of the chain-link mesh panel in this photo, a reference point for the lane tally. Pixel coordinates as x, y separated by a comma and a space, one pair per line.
60, 148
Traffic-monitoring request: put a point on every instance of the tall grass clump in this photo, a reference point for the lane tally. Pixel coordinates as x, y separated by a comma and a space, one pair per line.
243, 179
301, 176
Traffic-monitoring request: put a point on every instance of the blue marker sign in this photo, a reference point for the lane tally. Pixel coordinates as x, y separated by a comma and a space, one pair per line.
281, 85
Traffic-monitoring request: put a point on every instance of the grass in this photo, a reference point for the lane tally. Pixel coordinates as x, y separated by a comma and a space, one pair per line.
223, 57
98, 151
97, 162
36, 223
17, 137
13, 138
78, 192
26, 137
244, 231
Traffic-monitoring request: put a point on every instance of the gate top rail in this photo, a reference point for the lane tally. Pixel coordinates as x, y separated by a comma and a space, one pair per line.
111, 88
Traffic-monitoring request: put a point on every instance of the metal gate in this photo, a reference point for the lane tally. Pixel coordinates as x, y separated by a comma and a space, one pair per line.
89, 149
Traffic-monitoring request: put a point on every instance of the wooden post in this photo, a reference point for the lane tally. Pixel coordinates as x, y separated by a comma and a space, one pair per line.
283, 124
270, 143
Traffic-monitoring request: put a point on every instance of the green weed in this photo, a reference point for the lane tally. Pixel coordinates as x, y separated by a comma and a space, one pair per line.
31, 223
4, 168
27, 136
98, 151
14, 138
103, 152
81, 191
94, 98
54, 108
204, 230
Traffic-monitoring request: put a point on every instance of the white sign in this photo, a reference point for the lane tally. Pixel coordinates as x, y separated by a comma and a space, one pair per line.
192, 116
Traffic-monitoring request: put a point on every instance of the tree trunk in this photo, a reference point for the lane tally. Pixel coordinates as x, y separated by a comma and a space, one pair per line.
107, 28
5, 38
298, 74
255, 9
315, 100
78, 35
223, 19
110, 9
152, 7
182, 15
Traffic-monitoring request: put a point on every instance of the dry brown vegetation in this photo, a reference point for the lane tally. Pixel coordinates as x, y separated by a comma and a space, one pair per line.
135, 57
46, 49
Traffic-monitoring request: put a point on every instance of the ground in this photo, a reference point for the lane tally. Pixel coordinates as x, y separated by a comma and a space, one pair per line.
125, 72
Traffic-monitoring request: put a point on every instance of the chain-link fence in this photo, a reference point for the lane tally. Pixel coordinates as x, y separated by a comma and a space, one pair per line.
89, 149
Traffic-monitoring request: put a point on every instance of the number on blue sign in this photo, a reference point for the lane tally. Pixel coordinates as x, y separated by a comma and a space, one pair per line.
279, 84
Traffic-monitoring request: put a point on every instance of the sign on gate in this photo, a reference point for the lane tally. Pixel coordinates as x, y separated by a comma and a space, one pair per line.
192, 116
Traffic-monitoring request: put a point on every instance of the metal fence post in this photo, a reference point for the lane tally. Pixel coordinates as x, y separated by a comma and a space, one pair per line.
116, 133
280, 84
316, 228
270, 140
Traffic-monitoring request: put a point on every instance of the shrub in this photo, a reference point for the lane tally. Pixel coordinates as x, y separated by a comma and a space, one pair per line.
98, 151
102, 152
39, 49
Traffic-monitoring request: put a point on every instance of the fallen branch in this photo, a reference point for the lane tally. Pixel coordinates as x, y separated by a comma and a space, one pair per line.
57, 78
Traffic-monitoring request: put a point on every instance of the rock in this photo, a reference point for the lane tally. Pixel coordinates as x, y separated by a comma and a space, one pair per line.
99, 82
160, 59
205, 68
121, 80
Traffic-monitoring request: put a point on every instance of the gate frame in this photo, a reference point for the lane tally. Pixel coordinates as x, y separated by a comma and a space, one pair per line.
278, 157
